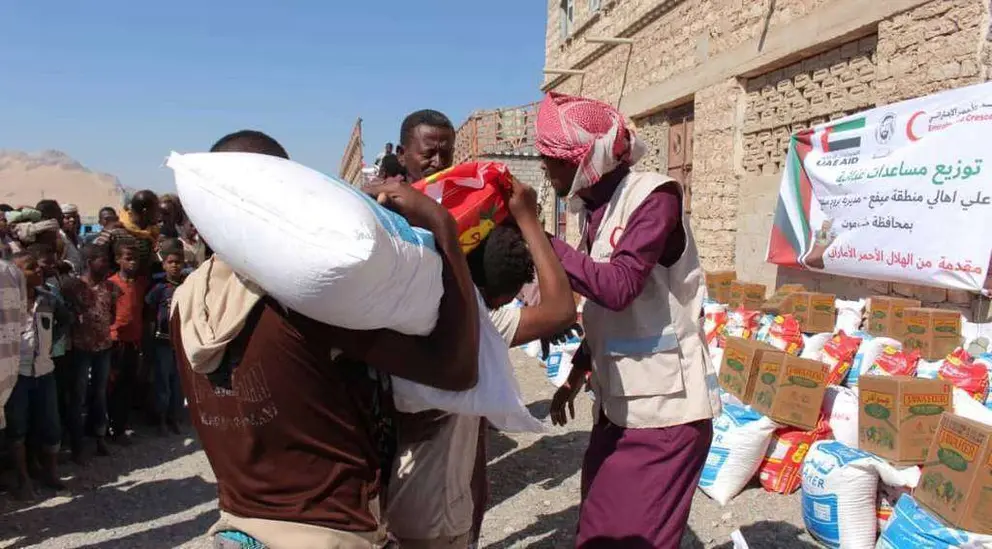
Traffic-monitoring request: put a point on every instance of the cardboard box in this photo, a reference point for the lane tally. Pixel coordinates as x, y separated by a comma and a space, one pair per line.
747, 295
789, 389
898, 415
935, 332
885, 315
815, 312
956, 481
739, 368
718, 285
777, 303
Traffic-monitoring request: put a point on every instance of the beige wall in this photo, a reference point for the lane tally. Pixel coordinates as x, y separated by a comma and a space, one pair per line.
756, 76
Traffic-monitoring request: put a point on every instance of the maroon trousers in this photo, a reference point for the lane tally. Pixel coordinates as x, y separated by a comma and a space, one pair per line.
637, 484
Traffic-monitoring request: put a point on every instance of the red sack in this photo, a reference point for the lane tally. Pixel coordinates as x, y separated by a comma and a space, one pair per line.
894, 362
785, 335
838, 353
475, 194
964, 373
780, 470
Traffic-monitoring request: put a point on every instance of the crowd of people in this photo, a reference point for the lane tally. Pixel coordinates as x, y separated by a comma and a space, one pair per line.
296, 417
85, 339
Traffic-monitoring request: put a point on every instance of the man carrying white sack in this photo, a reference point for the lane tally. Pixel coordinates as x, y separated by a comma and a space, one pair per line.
293, 414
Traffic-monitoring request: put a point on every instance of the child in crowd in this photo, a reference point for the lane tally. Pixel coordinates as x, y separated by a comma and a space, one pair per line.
126, 333
33, 404
168, 392
94, 297
56, 283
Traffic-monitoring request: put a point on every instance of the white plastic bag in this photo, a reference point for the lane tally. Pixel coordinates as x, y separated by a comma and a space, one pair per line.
496, 395
869, 350
840, 407
849, 315
740, 439
839, 493
913, 527
969, 408
315, 244
813, 345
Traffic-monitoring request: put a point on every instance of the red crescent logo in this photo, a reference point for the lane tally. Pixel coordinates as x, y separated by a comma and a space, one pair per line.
909, 126
615, 236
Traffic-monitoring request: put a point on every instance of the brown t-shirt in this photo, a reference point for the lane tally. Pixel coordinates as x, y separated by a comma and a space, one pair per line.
291, 433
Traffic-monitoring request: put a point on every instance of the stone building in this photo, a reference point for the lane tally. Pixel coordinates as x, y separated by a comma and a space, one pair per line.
717, 87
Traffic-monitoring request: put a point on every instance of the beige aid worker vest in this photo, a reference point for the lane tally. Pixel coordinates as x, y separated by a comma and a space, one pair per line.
651, 367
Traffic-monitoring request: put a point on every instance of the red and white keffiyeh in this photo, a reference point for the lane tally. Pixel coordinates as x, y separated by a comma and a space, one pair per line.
586, 132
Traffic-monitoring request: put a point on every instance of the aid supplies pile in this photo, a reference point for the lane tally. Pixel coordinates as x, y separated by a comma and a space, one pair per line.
317, 245
856, 413
330, 252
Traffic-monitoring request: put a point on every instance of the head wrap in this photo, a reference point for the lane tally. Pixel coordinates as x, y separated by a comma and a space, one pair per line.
69, 209
27, 232
586, 132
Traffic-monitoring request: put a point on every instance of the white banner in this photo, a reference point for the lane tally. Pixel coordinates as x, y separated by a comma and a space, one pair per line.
899, 193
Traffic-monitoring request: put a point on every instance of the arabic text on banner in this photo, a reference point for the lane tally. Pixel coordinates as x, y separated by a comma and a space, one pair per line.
900, 193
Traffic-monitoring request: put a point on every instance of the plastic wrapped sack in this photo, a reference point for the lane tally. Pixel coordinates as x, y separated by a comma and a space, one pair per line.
742, 323
961, 370
893, 362
785, 335
839, 481
315, 244
840, 407
714, 320
764, 328
928, 369
913, 527
740, 439
496, 395
968, 408
850, 314
780, 470
559, 363
838, 354
868, 351
474, 194
813, 345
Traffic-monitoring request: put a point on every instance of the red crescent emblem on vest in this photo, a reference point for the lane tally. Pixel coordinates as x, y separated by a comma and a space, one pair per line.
615, 236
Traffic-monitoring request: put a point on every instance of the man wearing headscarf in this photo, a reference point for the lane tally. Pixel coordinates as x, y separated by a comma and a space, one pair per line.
654, 382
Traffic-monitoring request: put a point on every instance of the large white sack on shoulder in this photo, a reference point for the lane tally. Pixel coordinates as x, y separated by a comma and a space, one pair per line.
839, 493
740, 440
840, 407
315, 244
850, 315
496, 396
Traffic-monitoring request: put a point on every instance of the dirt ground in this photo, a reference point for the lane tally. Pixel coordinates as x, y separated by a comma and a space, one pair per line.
161, 493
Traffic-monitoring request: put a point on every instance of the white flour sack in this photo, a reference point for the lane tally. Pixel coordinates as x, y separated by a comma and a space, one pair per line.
839, 493
317, 245
496, 395
840, 407
740, 439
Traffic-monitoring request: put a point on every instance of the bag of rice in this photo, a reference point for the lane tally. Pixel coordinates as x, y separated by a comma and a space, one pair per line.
969, 408
740, 439
868, 351
347, 251
913, 527
850, 314
813, 345
742, 323
784, 334
840, 407
893, 362
838, 354
839, 481
780, 470
965, 373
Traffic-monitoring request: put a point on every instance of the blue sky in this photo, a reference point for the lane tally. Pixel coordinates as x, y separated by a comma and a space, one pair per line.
118, 84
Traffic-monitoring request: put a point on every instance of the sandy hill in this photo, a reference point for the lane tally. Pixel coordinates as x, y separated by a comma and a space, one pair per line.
27, 178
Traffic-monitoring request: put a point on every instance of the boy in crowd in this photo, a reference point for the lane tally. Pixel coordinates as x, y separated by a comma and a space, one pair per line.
126, 332
168, 392
33, 402
438, 489
94, 296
